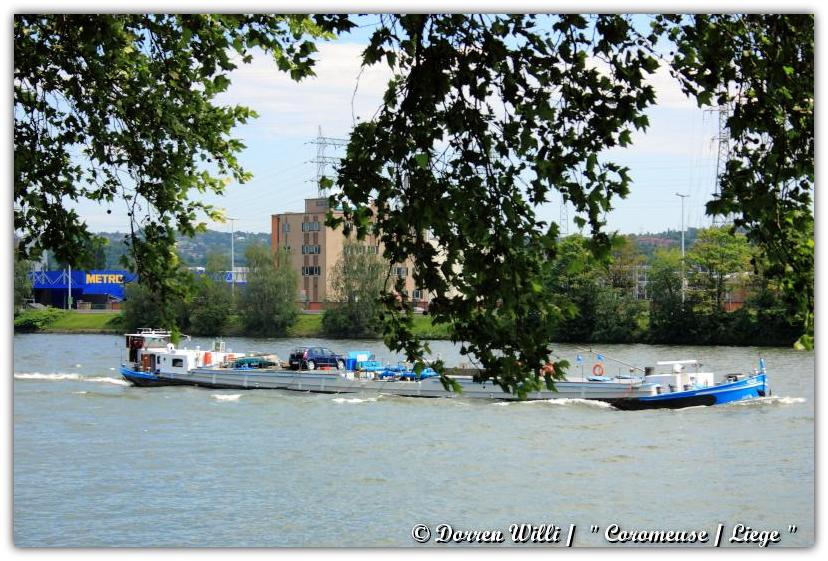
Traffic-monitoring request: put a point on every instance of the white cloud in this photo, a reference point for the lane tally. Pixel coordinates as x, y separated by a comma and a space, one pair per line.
296, 109
682, 132
291, 112
668, 91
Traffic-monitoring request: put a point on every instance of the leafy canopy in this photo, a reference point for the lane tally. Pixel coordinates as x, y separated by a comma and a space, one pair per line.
356, 282
112, 107
717, 261
486, 118
268, 302
761, 66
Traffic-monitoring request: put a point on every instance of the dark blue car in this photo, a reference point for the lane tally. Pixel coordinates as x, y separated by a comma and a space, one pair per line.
311, 358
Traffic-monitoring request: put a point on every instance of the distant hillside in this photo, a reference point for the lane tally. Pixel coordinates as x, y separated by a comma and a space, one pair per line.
193, 251
648, 243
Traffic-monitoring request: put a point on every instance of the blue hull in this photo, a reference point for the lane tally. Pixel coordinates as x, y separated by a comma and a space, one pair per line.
144, 379
750, 388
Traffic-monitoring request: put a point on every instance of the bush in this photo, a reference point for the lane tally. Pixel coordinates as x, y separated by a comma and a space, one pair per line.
211, 308
348, 322
36, 320
143, 308
617, 318
268, 304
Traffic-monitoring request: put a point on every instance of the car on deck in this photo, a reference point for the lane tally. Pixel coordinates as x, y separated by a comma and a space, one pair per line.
313, 358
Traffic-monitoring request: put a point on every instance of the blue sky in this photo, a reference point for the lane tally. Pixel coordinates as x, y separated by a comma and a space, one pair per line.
677, 154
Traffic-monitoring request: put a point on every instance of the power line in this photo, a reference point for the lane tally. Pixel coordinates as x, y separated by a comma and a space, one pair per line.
722, 156
322, 160
563, 219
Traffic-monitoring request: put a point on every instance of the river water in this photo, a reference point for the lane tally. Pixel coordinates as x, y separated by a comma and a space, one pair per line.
100, 463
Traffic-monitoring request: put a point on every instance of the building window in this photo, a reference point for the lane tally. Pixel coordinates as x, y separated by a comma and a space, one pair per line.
311, 249
362, 249
310, 271
401, 272
287, 248
310, 226
286, 227
418, 294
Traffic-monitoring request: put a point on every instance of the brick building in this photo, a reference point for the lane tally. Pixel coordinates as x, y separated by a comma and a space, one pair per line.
315, 249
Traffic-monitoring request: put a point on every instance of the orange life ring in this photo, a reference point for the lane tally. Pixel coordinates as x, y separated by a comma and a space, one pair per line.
598, 370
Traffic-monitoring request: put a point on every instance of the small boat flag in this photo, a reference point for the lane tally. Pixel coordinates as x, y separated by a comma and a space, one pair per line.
599, 356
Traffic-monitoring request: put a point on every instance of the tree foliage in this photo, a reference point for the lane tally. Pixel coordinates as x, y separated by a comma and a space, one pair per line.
36, 320
761, 66
210, 308
217, 262
123, 107
667, 311
601, 294
719, 260
22, 283
356, 282
144, 307
486, 118
268, 303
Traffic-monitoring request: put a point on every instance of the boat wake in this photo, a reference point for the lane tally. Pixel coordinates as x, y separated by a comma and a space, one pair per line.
226, 397
354, 399
594, 403
766, 401
561, 401
71, 376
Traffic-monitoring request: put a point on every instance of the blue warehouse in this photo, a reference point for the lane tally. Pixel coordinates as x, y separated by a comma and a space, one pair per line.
100, 289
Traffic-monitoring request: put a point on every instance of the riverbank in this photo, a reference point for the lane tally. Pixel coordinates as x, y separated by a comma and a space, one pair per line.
309, 326
51, 320
64, 321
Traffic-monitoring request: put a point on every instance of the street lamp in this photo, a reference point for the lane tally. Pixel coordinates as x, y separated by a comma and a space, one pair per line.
682, 244
232, 257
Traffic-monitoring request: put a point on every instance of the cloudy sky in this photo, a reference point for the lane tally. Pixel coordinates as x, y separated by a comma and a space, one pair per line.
677, 154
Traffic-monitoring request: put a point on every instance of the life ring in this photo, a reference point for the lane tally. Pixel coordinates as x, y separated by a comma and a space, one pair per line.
598, 370
548, 369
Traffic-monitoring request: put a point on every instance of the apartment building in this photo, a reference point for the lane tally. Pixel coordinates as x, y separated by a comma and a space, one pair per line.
315, 249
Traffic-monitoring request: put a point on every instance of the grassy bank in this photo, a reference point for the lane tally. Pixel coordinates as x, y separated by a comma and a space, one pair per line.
101, 321
53, 320
310, 325
62, 321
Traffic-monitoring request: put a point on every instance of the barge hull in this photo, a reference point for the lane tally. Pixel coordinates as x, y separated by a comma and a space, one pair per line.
335, 383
